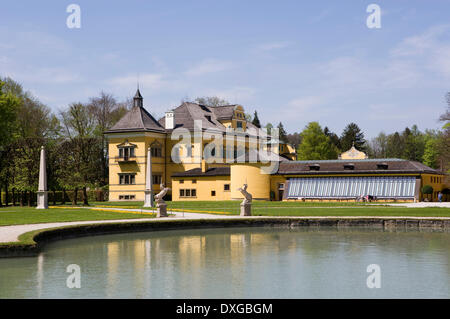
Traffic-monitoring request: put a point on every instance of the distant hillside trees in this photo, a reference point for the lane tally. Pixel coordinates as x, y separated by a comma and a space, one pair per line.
76, 149
211, 101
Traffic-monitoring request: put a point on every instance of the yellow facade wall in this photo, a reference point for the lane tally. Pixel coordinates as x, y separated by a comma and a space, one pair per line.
435, 181
275, 181
203, 185
250, 174
137, 166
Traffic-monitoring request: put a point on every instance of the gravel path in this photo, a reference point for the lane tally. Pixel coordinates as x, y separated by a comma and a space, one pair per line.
12, 233
419, 204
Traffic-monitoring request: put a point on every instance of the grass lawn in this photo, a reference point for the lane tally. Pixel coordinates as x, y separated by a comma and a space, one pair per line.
231, 204
262, 208
31, 215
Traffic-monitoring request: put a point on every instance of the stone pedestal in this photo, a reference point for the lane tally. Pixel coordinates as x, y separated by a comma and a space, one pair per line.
42, 200
148, 198
161, 210
246, 209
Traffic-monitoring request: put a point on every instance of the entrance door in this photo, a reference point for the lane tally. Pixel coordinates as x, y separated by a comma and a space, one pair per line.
280, 191
280, 194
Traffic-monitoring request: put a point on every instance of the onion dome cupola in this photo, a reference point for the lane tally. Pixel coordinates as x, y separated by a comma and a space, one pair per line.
138, 99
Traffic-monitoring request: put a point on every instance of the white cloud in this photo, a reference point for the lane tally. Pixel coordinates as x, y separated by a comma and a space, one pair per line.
52, 75
273, 45
34, 75
35, 42
301, 110
400, 74
149, 81
305, 104
442, 60
208, 66
421, 43
429, 49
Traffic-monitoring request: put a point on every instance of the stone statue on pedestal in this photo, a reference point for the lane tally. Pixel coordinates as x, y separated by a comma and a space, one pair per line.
246, 205
161, 206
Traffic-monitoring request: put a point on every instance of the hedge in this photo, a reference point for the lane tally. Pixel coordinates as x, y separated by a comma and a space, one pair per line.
93, 196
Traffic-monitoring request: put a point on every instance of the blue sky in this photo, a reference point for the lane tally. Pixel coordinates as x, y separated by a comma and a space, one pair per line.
293, 61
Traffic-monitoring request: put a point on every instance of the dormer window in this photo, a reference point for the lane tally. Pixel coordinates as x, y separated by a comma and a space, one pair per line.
314, 167
382, 166
126, 152
349, 166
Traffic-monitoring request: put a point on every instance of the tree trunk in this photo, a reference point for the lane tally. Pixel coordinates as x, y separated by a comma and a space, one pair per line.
6, 194
21, 200
75, 195
54, 197
13, 197
1, 196
64, 196
29, 198
85, 197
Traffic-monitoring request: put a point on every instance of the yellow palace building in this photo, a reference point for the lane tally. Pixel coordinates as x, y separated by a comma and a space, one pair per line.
200, 178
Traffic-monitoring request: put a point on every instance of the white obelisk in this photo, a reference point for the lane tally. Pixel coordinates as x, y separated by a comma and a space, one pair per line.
148, 200
42, 200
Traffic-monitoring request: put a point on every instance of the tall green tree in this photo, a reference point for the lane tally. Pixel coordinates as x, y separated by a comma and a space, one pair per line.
443, 143
268, 128
8, 126
82, 164
333, 138
282, 133
352, 134
106, 112
315, 144
394, 146
413, 144
431, 152
377, 147
255, 120
8, 115
35, 126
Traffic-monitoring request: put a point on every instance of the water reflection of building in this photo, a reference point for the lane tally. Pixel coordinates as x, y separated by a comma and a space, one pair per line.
113, 268
40, 274
180, 260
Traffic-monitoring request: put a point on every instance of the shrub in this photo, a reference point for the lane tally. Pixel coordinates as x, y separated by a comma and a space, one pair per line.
427, 189
272, 195
93, 196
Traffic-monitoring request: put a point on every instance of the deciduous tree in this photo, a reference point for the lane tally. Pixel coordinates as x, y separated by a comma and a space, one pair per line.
315, 144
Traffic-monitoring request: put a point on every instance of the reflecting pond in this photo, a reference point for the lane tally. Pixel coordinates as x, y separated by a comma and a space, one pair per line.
237, 263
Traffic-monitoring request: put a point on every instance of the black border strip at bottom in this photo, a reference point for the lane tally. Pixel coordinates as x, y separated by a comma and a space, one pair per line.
223, 308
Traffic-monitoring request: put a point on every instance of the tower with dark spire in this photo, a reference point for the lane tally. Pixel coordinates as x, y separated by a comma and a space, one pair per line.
138, 100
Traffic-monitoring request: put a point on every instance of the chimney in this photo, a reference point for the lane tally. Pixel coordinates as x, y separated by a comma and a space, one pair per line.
204, 166
170, 120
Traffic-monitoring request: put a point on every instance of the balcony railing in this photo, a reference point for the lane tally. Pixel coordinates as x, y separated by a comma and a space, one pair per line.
119, 159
